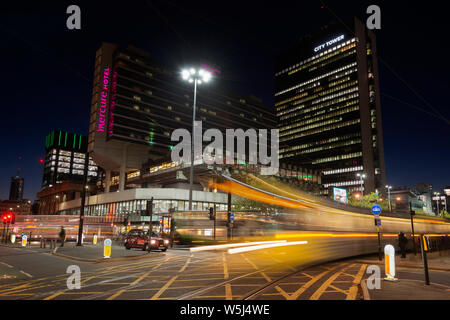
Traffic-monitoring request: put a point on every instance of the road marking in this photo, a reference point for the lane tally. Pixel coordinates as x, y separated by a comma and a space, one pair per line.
225, 267
118, 293
164, 288
316, 295
228, 294
185, 265
53, 296
9, 266
27, 274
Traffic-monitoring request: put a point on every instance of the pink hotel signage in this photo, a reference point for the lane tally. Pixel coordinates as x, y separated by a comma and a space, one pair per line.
103, 99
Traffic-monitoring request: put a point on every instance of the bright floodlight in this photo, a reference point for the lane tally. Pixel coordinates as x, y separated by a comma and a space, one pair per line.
206, 76
192, 71
200, 72
185, 74
191, 80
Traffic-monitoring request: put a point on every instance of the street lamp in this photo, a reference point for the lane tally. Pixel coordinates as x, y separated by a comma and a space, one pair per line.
197, 77
361, 178
389, 196
438, 199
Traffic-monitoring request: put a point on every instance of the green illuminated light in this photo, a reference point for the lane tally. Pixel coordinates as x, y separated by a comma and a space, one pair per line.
79, 144
59, 141
299, 176
171, 147
74, 140
65, 141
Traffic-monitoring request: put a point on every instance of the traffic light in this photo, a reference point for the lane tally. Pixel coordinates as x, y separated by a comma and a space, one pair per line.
8, 217
211, 213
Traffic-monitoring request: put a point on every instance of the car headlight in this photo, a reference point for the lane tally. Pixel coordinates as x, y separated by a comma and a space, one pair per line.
153, 242
166, 241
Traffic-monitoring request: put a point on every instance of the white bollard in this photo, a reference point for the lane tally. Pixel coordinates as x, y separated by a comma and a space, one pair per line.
13, 238
24, 240
107, 248
389, 263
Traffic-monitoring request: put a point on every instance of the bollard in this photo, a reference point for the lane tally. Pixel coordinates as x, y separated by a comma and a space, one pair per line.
107, 248
94, 240
389, 263
24, 240
13, 238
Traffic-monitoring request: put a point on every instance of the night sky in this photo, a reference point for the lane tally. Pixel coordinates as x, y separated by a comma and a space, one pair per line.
47, 70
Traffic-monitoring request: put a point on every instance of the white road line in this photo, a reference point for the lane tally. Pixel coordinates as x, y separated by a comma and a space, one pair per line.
9, 266
27, 274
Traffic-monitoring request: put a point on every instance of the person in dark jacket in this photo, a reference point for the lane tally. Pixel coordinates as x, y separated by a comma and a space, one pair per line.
62, 236
402, 243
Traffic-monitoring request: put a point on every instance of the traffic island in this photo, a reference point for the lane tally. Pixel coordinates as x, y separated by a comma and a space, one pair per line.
95, 253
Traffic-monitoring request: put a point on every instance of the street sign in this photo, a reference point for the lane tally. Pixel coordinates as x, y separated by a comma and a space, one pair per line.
232, 217
107, 248
377, 222
376, 210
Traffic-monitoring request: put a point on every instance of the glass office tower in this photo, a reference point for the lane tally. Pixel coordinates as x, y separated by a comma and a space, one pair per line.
328, 106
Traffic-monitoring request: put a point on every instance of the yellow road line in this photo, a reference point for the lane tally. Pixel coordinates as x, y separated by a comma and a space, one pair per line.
185, 265
53, 296
164, 288
313, 280
225, 267
316, 295
353, 291
118, 293
228, 295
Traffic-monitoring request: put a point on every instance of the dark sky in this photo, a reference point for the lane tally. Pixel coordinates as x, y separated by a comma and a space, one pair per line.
47, 69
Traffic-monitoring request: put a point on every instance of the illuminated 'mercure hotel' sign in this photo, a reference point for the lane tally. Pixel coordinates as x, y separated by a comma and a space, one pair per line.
328, 43
103, 99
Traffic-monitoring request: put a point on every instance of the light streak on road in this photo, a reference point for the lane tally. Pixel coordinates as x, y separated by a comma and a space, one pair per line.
265, 246
232, 245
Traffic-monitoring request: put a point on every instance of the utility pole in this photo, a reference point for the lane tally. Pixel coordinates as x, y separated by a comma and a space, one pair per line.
229, 223
83, 199
215, 219
424, 248
412, 213
150, 227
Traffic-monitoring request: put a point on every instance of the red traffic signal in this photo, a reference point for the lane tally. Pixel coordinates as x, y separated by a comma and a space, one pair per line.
8, 217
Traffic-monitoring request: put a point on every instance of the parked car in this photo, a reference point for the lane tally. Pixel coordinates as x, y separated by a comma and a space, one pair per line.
137, 238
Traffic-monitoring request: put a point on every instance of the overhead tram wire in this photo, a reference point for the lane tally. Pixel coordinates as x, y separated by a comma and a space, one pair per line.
437, 113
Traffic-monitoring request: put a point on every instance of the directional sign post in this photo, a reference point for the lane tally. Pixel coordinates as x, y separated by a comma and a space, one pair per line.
376, 210
232, 217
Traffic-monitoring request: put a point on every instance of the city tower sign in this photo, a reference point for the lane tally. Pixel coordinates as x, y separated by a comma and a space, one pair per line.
328, 43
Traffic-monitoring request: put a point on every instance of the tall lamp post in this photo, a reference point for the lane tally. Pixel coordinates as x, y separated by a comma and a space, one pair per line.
197, 77
361, 177
389, 196
438, 199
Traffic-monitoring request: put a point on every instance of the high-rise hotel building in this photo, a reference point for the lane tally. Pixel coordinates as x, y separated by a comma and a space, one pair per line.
137, 104
328, 106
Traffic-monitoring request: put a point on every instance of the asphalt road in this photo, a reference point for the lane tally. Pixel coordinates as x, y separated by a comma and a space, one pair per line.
281, 273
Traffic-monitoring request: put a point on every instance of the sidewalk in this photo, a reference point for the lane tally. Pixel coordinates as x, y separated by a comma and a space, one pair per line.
406, 289
94, 253
436, 261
